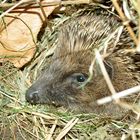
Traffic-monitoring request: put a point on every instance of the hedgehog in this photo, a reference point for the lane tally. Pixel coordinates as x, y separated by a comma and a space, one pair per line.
61, 83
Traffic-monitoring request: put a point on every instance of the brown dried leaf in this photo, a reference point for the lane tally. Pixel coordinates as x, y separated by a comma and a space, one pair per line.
18, 34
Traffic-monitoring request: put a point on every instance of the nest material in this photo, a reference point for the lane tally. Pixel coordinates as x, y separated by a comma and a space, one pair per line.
27, 122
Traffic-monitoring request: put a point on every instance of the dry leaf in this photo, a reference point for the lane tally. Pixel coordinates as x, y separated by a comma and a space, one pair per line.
18, 34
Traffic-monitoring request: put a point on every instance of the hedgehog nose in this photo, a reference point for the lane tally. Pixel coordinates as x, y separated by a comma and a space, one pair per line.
32, 97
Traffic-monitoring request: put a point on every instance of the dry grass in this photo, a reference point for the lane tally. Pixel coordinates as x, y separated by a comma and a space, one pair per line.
21, 121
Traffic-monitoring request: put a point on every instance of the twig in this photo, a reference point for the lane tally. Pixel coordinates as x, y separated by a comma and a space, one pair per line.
67, 128
40, 115
104, 72
119, 95
42, 10
3, 1
10, 9
51, 131
8, 96
125, 21
33, 4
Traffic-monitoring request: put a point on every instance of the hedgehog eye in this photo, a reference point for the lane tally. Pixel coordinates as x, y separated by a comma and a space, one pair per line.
81, 78
77, 79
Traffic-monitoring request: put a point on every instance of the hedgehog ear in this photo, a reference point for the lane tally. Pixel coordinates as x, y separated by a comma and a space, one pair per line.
109, 68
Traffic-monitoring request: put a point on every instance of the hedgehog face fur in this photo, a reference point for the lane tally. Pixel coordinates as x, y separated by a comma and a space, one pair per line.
60, 84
